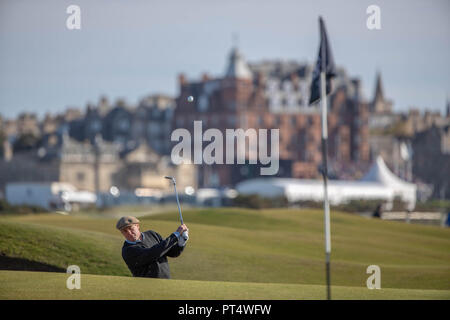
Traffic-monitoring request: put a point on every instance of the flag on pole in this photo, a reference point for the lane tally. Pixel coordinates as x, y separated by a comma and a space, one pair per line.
320, 87
324, 63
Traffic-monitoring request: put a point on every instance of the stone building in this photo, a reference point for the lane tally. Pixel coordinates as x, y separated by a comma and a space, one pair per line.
27, 123
109, 145
395, 142
380, 109
89, 166
142, 167
94, 167
99, 166
431, 160
26, 167
127, 125
152, 122
415, 121
51, 123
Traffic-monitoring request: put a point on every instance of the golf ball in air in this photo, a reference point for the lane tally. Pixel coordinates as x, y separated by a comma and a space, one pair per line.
190, 99
189, 190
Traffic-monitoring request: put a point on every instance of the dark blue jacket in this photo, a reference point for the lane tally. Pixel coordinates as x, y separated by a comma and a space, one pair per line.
148, 258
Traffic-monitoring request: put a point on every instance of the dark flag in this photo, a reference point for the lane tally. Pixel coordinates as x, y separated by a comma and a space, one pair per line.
324, 63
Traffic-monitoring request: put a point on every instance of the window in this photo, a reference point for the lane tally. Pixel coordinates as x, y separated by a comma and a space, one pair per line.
142, 113
124, 124
287, 86
293, 121
156, 113
80, 176
203, 103
154, 128
231, 120
277, 121
260, 121
96, 126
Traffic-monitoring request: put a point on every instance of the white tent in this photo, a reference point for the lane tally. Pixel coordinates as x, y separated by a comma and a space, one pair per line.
303, 190
380, 173
378, 184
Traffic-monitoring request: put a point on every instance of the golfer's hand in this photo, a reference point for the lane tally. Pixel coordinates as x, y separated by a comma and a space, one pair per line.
182, 229
184, 236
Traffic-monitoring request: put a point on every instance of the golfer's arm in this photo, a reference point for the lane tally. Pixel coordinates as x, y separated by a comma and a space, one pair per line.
175, 251
147, 255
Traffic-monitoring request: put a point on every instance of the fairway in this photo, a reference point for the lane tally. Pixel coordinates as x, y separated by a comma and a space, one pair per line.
232, 254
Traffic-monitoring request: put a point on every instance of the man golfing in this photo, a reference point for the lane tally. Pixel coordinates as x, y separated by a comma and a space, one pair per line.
145, 253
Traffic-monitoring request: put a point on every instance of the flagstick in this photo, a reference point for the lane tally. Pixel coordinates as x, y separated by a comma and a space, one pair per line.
326, 205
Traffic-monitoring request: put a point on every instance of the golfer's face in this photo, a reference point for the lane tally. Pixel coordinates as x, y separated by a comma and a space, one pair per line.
131, 233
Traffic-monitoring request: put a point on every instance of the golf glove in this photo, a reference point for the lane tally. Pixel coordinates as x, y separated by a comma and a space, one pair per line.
184, 237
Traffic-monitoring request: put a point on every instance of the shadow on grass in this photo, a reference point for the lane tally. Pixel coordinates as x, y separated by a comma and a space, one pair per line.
19, 264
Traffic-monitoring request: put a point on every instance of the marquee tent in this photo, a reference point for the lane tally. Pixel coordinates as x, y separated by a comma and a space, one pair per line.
378, 184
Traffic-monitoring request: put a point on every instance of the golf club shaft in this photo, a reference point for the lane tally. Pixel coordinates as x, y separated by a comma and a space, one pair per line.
178, 202
176, 195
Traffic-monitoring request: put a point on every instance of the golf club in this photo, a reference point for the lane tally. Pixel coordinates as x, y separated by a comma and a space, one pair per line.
185, 234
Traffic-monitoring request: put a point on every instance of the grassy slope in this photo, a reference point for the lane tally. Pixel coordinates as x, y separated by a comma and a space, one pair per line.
271, 246
94, 252
45, 285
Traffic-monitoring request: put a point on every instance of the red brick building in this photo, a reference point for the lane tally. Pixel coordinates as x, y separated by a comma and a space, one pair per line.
274, 95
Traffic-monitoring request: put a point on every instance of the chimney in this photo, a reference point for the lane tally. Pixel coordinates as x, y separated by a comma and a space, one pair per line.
357, 87
182, 79
7, 151
260, 78
447, 113
295, 80
205, 77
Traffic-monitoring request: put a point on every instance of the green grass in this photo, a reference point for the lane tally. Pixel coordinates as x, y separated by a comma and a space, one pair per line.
95, 252
46, 285
278, 247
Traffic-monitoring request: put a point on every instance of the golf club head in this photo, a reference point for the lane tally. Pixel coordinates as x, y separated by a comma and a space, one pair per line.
176, 195
170, 178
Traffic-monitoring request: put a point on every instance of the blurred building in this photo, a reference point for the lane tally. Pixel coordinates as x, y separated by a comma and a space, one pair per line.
89, 166
27, 123
95, 167
398, 143
152, 122
127, 125
102, 165
431, 160
128, 146
380, 108
109, 145
143, 168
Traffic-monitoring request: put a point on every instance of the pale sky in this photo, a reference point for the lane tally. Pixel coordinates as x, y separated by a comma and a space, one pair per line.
132, 48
